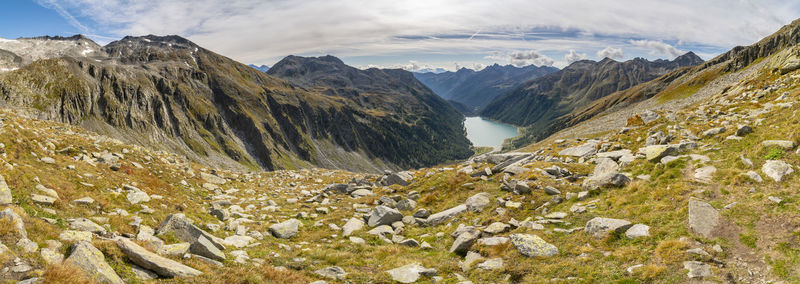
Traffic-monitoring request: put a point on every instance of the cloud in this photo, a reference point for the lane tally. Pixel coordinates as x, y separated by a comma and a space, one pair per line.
573, 56
521, 58
611, 52
658, 47
264, 31
52, 4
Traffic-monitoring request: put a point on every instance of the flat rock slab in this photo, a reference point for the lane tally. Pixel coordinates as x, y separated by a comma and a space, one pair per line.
441, 217
164, 267
410, 273
776, 169
703, 218
585, 150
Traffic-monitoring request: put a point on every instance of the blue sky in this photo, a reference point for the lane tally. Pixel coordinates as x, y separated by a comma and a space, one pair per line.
417, 34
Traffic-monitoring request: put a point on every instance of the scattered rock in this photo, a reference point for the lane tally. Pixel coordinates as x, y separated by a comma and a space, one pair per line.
464, 241
332, 272
162, 266
776, 169
477, 202
5, 192
491, 264
410, 273
638, 231
587, 149
285, 229
351, 226
532, 245
445, 215
697, 269
93, 263
383, 215
703, 219
785, 144
705, 174
600, 227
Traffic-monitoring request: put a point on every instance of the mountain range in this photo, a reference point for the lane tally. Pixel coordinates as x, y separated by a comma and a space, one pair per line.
262, 68
477, 88
169, 93
538, 103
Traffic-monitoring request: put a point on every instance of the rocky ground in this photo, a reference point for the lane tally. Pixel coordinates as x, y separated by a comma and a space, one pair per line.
707, 193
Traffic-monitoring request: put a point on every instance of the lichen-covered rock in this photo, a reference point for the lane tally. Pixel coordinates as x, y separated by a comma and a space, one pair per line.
164, 267
532, 245
92, 262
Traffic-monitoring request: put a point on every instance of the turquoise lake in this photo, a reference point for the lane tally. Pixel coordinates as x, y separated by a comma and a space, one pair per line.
484, 132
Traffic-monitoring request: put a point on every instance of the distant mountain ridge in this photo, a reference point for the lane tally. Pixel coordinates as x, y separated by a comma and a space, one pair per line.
169, 93
477, 88
537, 103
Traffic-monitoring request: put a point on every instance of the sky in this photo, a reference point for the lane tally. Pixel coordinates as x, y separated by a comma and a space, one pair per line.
417, 35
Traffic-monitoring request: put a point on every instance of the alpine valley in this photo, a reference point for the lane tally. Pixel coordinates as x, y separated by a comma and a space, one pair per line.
151, 159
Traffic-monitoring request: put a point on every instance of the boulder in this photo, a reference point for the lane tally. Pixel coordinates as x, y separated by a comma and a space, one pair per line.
532, 245
654, 153
776, 169
638, 231
612, 179
492, 264
743, 130
285, 229
604, 166
785, 144
697, 269
587, 149
464, 241
12, 217
164, 267
383, 215
135, 197
600, 227
703, 219
441, 217
713, 131
400, 178
477, 202
332, 272
183, 229
43, 199
214, 179
352, 225
705, 174
204, 247
5, 192
71, 236
86, 225
92, 262
411, 273
649, 116
406, 204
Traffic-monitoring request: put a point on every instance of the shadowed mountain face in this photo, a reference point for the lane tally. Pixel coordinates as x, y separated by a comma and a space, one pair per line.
476, 89
169, 93
537, 103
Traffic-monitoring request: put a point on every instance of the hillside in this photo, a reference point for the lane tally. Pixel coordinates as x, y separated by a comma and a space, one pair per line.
171, 94
538, 103
477, 88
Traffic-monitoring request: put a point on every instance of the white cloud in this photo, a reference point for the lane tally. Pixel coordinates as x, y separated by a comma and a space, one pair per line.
573, 56
521, 58
262, 32
611, 52
658, 47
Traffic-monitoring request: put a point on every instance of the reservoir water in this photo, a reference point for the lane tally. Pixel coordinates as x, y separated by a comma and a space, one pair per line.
484, 132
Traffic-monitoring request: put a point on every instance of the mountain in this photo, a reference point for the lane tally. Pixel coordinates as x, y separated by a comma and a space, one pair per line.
171, 94
476, 89
537, 103
262, 68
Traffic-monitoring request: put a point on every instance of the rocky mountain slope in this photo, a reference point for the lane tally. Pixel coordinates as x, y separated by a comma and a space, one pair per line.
477, 88
538, 103
169, 93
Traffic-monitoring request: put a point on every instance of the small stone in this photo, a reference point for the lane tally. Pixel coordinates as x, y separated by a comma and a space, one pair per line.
332, 272
491, 264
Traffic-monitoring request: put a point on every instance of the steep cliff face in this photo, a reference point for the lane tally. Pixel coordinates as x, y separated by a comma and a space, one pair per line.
169, 93
536, 104
476, 89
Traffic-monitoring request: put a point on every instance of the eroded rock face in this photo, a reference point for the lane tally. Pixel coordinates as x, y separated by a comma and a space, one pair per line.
164, 267
92, 262
703, 219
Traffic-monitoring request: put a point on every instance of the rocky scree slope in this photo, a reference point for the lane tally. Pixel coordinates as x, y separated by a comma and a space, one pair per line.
701, 194
477, 88
169, 93
538, 103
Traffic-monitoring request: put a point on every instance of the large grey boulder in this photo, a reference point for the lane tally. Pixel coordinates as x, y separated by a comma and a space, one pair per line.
400, 178
183, 229
776, 169
5, 192
285, 229
410, 273
654, 153
785, 144
164, 267
604, 166
612, 179
600, 227
441, 217
92, 262
383, 215
587, 149
532, 245
703, 219
204, 247
86, 225
352, 225
12, 217
464, 241
477, 202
